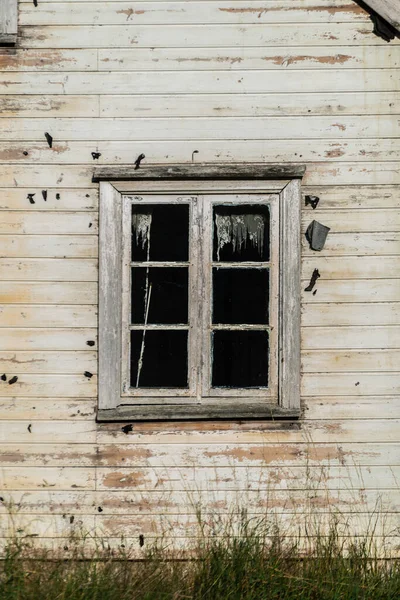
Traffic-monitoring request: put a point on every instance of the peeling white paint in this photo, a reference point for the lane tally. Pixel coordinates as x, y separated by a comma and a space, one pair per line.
238, 230
141, 225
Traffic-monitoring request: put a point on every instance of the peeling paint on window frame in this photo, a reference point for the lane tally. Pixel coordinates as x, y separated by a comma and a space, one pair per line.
114, 404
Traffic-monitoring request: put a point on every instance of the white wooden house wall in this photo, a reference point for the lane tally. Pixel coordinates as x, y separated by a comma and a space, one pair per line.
274, 81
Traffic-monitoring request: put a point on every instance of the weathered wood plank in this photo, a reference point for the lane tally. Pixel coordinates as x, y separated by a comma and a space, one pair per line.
360, 221
25, 339
246, 455
57, 432
350, 384
47, 526
354, 407
48, 362
48, 60
44, 385
210, 433
117, 502
344, 197
239, 478
61, 548
156, 13
49, 409
48, 269
179, 527
223, 478
43, 176
333, 103
385, 313
351, 290
48, 292
177, 59
49, 246
215, 523
52, 478
351, 173
56, 199
229, 128
353, 244
262, 455
42, 223
200, 82
17, 315
342, 361
202, 172
350, 337
230, 35
389, 10
250, 432
355, 267
80, 152
56, 106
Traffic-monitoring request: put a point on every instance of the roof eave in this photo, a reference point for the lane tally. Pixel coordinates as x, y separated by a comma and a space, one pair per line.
387, 9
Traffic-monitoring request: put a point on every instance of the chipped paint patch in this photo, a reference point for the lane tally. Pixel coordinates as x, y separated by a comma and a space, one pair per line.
119, 480
238, 230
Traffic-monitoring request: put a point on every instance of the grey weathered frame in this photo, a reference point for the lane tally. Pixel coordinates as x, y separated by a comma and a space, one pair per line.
261, 178
8, 22
387, 9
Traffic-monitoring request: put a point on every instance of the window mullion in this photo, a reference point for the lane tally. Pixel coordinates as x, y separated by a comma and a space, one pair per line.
206, 293
195, 295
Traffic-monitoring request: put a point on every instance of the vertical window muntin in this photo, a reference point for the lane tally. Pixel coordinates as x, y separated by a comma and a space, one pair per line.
147, 393
209, 203
200, 298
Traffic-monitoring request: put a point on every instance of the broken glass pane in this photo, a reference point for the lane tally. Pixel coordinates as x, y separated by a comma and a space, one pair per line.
159, 359
241, 233
240, 296
160, 232
161, 293
240, 359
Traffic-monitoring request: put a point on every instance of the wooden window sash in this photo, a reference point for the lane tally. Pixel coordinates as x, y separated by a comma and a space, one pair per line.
269, 395
163, 395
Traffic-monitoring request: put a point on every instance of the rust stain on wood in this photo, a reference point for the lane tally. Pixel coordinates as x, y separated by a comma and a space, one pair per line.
120, 480
21, 457
335, 153
113, 455
129, 12
350, 8
257, 453
337, 59
27, 58
219, 59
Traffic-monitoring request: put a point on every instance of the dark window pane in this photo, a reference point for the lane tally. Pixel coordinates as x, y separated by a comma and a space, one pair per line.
159, 359
241, 233
240, 296
240, 359
160, 232
164, 291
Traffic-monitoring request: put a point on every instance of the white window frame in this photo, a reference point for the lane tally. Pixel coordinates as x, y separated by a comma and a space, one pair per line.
8, 22
118, 186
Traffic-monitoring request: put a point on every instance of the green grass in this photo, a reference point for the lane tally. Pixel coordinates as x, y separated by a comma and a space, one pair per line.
245, 567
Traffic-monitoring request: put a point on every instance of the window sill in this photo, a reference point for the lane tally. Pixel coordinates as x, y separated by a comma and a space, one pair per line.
8, 39
193, 412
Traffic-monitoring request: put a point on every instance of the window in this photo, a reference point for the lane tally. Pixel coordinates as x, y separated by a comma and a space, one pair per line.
199, 298
8, 22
